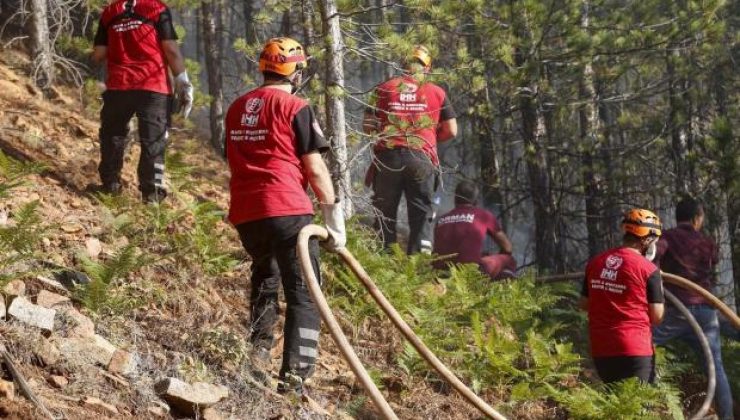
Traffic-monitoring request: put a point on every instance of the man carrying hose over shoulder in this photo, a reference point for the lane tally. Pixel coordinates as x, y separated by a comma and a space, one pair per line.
623, 294
273, 146
686, 252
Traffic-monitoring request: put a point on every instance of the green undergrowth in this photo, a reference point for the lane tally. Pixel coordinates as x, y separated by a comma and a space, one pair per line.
21, 233
181, 239
514, 342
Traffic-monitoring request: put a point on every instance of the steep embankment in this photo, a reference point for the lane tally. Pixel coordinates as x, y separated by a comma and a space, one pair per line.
169, 284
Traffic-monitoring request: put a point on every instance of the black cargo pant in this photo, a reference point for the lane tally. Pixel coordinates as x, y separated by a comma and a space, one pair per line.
411, 173
272, 245
619, 368
152, 111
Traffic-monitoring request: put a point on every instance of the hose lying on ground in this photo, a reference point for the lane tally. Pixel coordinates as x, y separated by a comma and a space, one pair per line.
703, 342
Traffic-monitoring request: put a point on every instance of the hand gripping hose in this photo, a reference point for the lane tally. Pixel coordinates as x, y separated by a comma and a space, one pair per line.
344, 346
703, 342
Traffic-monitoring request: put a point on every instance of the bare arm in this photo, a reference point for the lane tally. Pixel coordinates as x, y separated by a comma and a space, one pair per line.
174, 57
447, 130
503, 242
319, 177
99, 53
656, 312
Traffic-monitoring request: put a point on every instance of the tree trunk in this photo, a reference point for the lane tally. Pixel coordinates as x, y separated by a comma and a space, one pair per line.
588, 116
211, 31
334, 91
40, 43
679, 126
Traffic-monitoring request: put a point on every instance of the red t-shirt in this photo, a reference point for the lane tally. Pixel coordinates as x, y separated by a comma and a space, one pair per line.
409, 113
267, 132
463, 231
135, 59
619, 284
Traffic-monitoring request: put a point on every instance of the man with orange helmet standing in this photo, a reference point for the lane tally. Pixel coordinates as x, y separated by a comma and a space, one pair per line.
623, 294
273, 146
137, 40
409, 116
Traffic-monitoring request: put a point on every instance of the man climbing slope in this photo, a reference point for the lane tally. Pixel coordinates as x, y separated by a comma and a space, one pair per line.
623, 294
137, 40
462, 232
410, 116
273, 145
686, 252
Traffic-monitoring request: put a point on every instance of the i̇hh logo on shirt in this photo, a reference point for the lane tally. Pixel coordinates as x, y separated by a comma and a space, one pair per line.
613, 262
252, 108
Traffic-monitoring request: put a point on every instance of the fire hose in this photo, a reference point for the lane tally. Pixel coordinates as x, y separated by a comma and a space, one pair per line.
366, 381
696, 328
336, 332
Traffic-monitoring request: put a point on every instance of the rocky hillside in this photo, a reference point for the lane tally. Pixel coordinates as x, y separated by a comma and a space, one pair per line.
159, 329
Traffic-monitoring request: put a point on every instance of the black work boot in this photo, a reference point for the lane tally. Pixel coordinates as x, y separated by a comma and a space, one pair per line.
154, 197
111, 188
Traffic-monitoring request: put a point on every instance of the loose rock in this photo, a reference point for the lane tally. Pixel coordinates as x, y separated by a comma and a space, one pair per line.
189, 399
7, 390
123, 363
28, 313
50, 300
58, 381
211, 414
88, 350
93, 247
48, 353
14, 288
98, 403
74, 324
3, 310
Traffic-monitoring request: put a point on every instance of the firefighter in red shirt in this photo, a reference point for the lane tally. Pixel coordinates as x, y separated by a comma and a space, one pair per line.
137, 40
462, 232
409, 117
273, 145
623, 294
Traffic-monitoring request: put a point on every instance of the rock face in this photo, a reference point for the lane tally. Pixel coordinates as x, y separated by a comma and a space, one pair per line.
28, 313
190, 399
74, 324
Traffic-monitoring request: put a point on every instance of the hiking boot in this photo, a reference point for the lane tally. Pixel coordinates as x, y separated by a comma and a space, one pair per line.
290, 384
155, 197
113, 188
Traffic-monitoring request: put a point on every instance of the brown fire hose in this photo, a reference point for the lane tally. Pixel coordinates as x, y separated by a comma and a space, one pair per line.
668, 278
336, 332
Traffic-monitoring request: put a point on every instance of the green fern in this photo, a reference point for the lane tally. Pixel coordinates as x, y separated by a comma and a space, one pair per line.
96, 295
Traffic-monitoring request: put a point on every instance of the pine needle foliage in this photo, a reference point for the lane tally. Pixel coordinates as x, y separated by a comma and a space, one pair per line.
514, 338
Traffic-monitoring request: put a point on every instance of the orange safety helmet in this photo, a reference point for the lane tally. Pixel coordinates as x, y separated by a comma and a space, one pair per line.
283, 56
422, 54
641, 223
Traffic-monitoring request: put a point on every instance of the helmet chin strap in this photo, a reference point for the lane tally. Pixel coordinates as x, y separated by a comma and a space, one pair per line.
651, 250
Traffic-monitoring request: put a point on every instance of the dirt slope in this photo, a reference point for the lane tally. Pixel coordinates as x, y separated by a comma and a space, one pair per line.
180, 320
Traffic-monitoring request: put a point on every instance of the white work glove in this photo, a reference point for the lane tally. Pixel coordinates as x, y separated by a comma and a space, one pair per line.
184, 92
334, 220
652, 250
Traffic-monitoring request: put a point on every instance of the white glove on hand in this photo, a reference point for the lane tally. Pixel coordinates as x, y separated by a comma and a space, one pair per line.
184, 92
652, 250
334, 220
